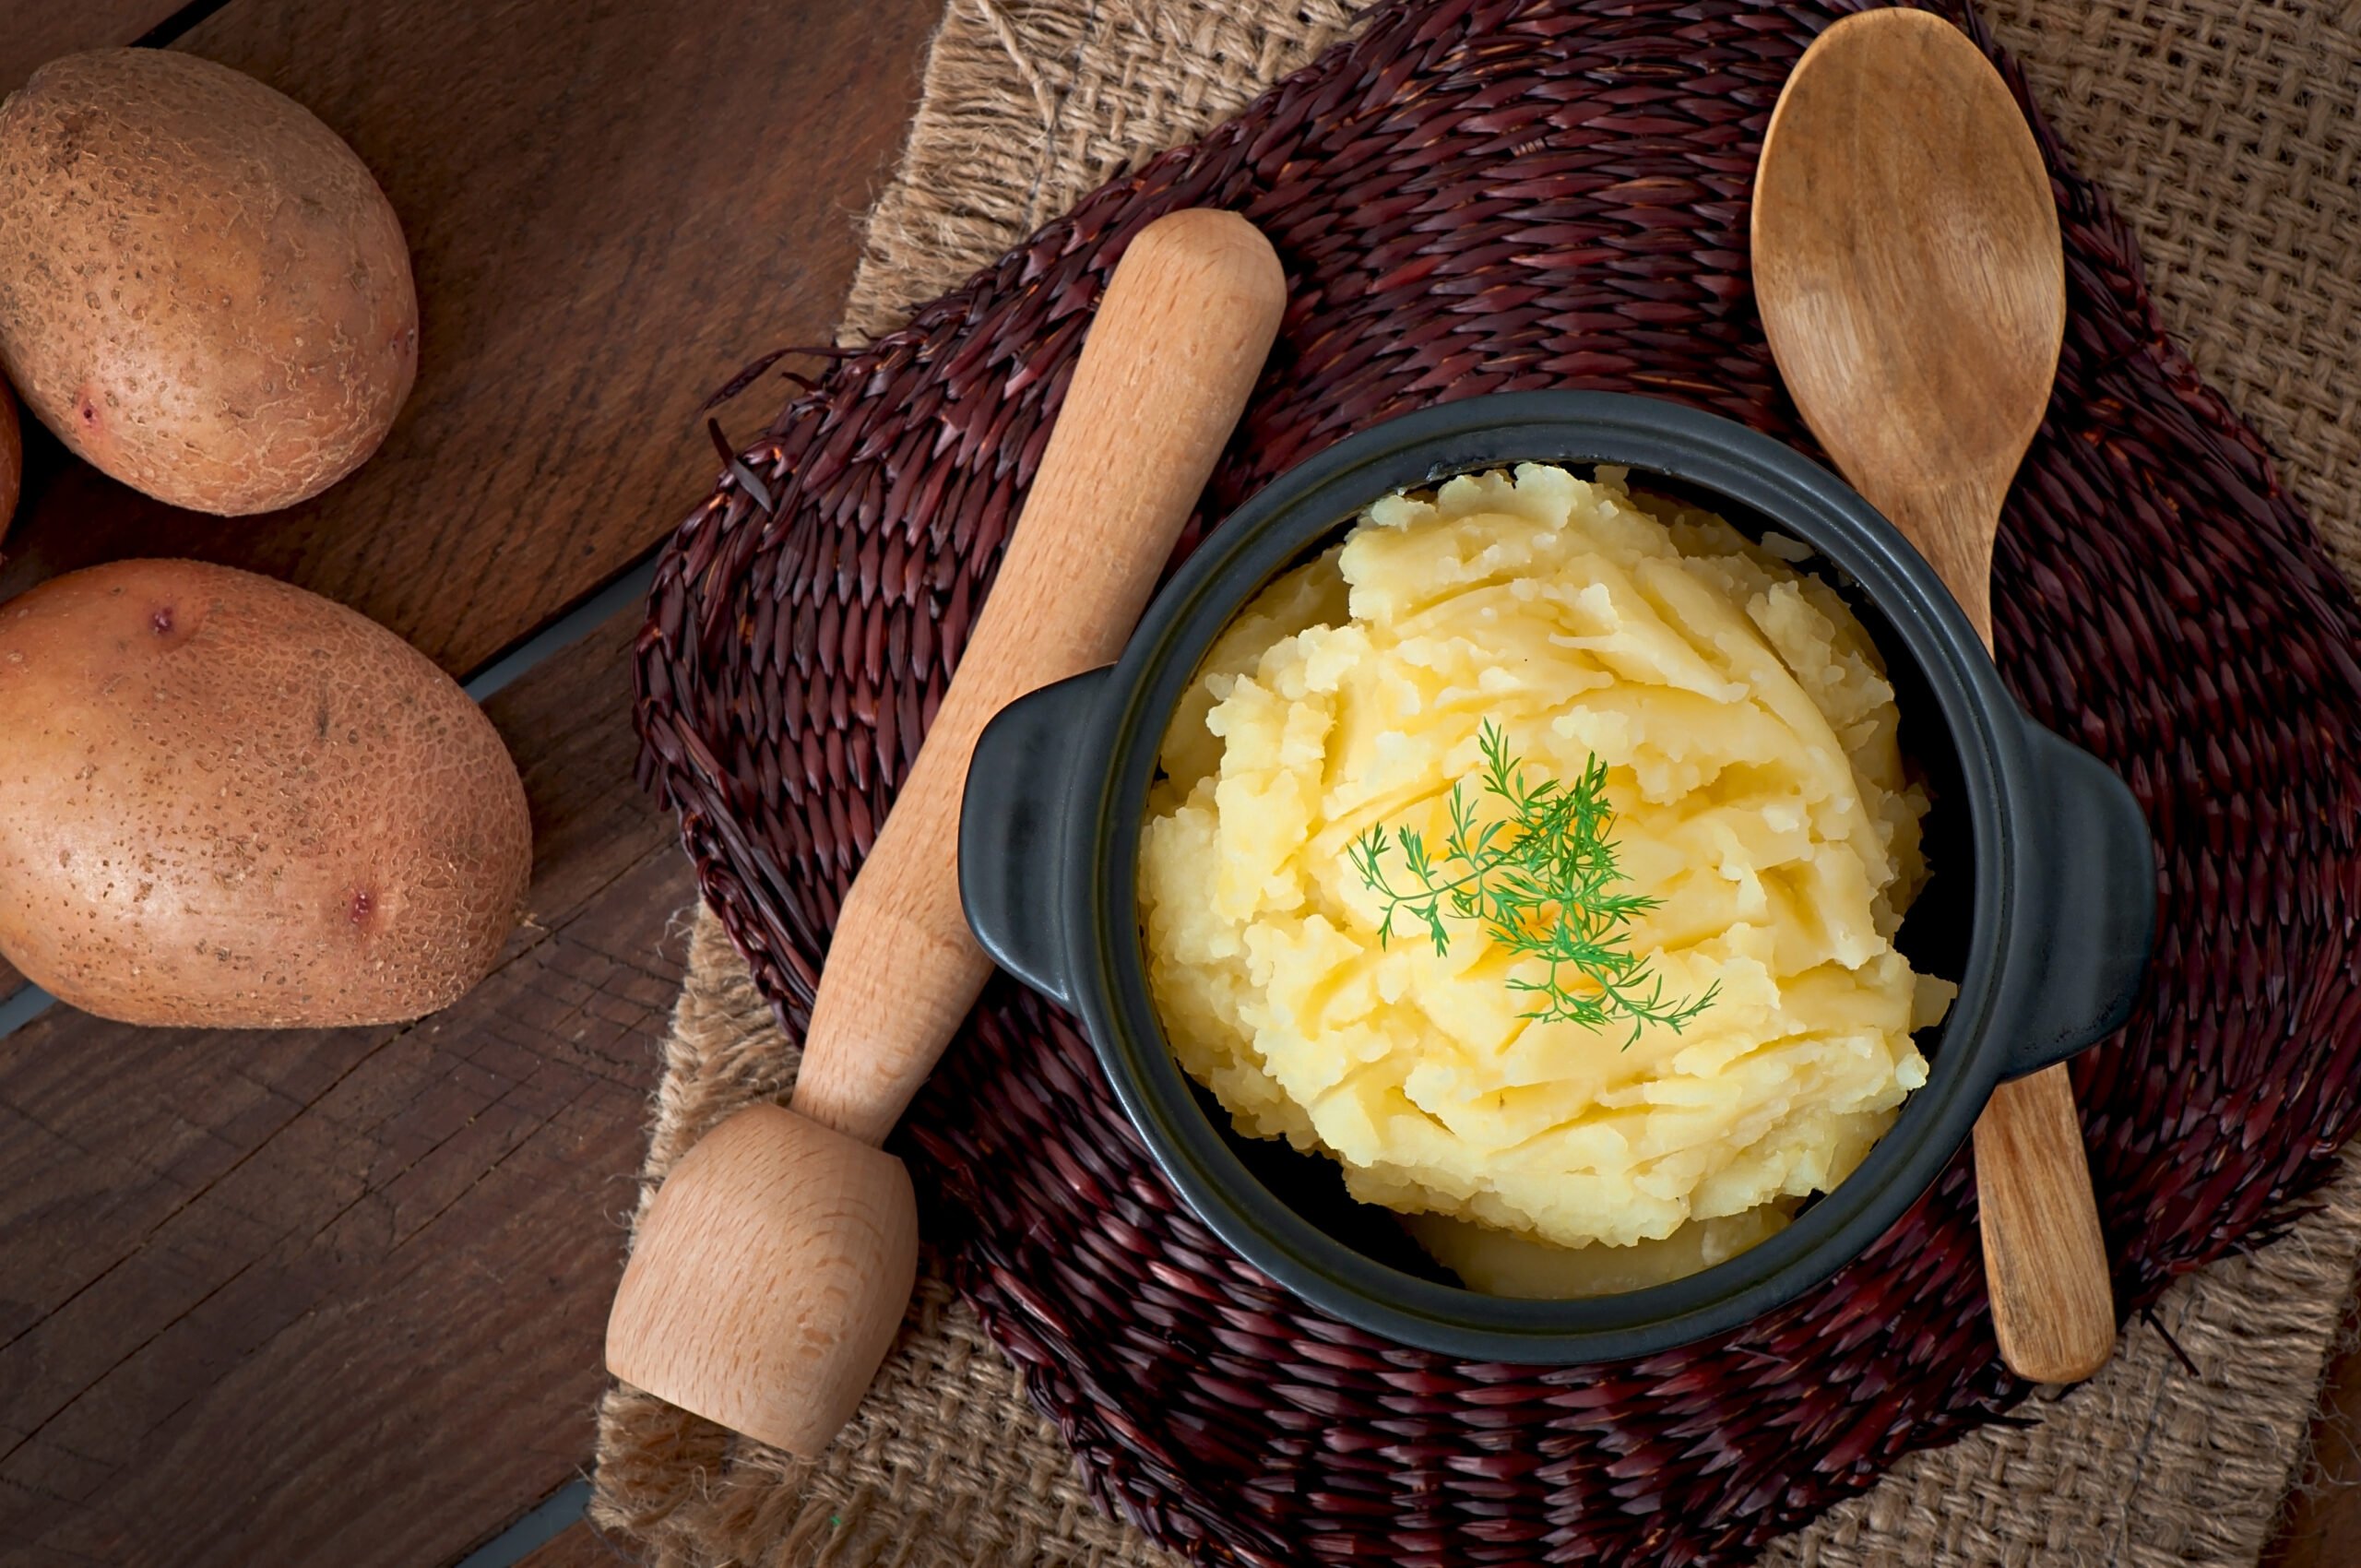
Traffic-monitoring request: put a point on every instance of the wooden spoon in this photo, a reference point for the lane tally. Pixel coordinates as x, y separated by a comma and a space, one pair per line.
1907, 264
775, 1266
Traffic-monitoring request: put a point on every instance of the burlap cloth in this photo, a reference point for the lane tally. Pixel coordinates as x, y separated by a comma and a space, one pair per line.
2227, 130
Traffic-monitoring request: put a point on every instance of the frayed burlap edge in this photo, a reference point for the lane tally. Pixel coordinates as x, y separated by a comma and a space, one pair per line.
2209, 122
944, 1464
1027, 107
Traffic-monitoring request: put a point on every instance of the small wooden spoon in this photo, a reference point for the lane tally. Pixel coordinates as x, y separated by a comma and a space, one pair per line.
776, 1264
1908, 265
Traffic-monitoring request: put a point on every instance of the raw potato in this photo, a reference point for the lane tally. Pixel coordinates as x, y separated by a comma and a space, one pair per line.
1749, 738
229, 803
202, 290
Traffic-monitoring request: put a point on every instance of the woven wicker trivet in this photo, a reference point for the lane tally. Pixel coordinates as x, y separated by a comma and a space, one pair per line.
1967, 1518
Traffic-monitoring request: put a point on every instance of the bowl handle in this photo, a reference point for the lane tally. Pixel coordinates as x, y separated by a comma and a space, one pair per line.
2092, 846
1012, 830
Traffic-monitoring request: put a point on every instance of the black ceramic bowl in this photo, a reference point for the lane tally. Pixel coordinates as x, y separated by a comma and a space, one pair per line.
2041, 903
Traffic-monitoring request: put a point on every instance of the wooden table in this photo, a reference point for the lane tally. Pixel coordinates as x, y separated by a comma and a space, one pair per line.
336, 1297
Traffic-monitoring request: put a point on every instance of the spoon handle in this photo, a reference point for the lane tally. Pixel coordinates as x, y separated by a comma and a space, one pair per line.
1175, 347
1953, 527
2044, 1260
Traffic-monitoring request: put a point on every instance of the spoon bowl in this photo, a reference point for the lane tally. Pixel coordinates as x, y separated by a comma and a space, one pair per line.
1907, 262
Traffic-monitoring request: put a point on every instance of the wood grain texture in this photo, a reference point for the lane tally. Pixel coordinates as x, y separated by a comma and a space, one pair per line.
1906, 256
336, 1297
610, 209
2322, 1524
752, 70
33, 33
1174, 348
1906, 253
580, 1547
784, 1257
2045, 1258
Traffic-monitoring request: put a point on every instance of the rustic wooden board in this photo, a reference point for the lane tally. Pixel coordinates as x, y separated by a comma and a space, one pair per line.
610, 209
334, 1298
32, 31
2322, 1527
580, 1547
338, 1297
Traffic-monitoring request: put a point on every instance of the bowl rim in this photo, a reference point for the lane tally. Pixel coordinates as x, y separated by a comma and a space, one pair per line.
1273, 528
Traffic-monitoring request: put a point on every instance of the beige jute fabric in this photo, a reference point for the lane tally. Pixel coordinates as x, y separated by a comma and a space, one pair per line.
2226, 129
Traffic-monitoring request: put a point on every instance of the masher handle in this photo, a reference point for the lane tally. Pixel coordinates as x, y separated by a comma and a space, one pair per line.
1179, 337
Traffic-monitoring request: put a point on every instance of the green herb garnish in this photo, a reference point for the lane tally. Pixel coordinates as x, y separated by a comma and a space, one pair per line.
1542, 882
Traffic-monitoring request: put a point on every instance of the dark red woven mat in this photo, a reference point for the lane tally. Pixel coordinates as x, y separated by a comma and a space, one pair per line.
1473, 196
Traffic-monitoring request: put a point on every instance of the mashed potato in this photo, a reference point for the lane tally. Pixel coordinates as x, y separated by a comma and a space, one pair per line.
1749, 734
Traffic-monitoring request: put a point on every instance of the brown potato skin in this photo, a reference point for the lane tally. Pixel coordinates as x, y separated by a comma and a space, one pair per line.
202, 290
12, 458
226, 802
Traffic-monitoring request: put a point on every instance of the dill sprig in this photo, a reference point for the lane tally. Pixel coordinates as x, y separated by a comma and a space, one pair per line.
1543, 883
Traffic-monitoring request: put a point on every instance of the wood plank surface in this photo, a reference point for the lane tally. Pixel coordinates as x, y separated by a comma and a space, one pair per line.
2322, 1524
338, 1296
35, 31
580, 1547
611, 208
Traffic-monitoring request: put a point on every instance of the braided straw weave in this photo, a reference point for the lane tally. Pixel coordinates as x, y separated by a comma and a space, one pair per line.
1472, 196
